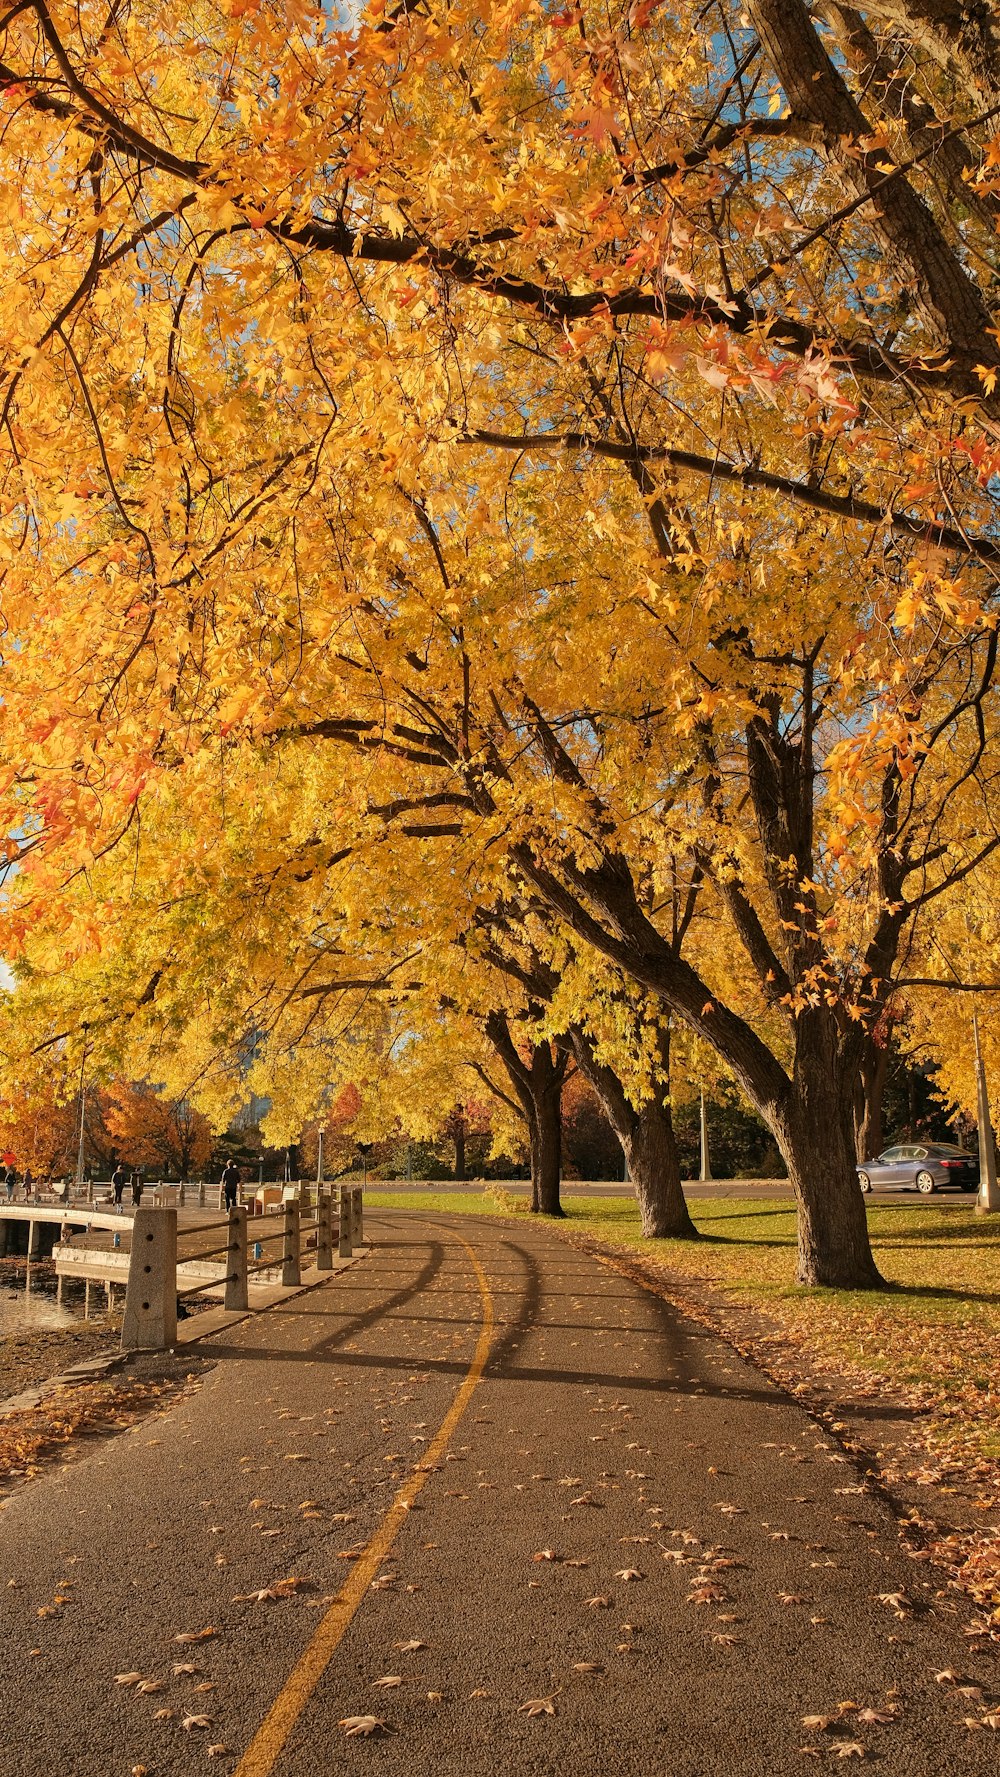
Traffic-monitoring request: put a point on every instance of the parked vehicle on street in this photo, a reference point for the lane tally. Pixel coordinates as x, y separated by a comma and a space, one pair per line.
921, 1166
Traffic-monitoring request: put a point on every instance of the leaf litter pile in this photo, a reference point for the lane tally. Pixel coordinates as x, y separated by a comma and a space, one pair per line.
60, 1425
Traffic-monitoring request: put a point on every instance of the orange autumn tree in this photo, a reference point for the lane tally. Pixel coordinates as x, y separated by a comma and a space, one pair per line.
156, 1133
587, 417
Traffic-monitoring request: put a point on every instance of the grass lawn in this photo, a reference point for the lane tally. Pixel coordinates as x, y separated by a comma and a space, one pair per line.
933, 1340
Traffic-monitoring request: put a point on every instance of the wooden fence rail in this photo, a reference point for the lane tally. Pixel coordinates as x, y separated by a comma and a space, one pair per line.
152, 1296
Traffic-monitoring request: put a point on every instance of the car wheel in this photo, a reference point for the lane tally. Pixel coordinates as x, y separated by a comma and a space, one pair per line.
925, 1183
865, 1182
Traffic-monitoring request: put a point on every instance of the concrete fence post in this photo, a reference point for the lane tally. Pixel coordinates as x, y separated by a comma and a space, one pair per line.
324, 1230
237, 1291
150, 1321
201, 1196
345, 1245
291, 1251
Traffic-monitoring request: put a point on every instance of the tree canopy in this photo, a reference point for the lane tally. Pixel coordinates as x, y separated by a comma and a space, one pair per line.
502, 489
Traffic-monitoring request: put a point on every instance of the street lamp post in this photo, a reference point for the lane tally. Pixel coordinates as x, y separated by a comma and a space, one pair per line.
705, 1171
319, 1158
988, 1201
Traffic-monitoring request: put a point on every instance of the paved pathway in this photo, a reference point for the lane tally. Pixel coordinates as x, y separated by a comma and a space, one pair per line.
618, 1515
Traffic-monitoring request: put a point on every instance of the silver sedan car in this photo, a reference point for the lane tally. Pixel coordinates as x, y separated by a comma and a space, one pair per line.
921, 1166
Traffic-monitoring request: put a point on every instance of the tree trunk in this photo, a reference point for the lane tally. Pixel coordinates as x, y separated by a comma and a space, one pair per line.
814, 1128
458, 1137
537, 1085
546, 1137
655, 1170
647, 1136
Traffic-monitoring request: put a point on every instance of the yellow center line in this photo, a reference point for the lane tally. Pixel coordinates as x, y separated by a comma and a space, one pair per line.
266, 1746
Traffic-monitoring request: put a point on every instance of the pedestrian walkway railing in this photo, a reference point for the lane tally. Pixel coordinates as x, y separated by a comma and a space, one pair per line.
248, 1246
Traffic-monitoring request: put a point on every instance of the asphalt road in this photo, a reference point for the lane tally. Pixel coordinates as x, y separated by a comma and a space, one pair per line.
626, 1521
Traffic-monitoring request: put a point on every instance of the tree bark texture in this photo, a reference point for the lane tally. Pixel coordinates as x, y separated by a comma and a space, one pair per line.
647, 1136
815, 1131
537, 1083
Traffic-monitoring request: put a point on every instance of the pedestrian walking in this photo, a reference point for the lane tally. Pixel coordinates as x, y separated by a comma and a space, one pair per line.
231, 1184
119, 1179
9, 1181
136, 1189
29, 1184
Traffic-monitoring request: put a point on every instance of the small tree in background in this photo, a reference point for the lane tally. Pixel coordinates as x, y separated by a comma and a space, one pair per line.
163, 1134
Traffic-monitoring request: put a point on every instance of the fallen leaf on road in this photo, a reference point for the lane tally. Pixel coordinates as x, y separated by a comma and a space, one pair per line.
185, 1671
821, 1722
480, 1693
897, 1600
164, 1715
196, 1721
546, 1555
187, 1636
129, 1677
877, 1715
629, 1573
408, 1647
149, 1684
209, 1685
356, 1726
388, 1683
539, 1706
218, 1751
791, 1598
587, 1666
847, 1749
598, 1603
578, 1561
722, 1505
726, 1640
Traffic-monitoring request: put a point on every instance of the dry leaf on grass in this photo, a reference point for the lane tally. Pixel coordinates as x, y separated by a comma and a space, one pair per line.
360, 1726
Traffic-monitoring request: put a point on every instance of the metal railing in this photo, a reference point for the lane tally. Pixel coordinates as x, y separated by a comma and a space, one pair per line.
159, 1251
